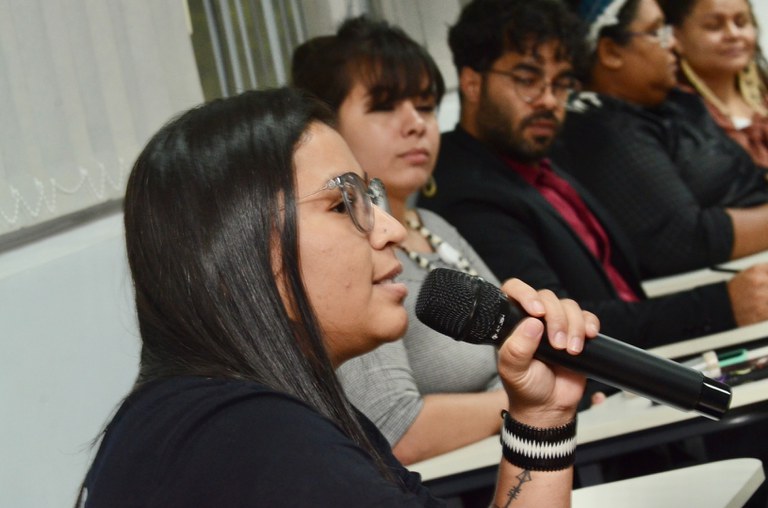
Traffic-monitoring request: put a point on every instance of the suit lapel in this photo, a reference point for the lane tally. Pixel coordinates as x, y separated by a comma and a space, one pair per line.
502, 176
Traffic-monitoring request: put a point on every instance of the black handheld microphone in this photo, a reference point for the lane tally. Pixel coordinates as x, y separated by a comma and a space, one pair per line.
470, 309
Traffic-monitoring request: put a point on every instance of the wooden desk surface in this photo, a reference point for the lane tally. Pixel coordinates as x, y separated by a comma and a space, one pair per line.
723, 484
619, 415
722, 340
683, 281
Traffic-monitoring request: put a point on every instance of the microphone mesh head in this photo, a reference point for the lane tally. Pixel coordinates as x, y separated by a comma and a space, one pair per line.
459, 305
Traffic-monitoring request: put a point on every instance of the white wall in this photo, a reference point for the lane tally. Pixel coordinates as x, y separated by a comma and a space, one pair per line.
761, 11
68, 354
108, 74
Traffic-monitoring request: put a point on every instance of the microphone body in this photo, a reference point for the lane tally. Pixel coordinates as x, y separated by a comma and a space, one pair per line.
470, 309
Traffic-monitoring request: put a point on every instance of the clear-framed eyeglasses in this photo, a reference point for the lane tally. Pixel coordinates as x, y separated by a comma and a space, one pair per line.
662, 35
358, 198
531, 88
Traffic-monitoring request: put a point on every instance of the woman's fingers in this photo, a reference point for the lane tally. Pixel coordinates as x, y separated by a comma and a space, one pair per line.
516, 354
558, 319
525, 295
567, 324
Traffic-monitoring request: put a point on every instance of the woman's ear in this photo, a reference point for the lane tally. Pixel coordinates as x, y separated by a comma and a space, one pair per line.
609, 54
470, 82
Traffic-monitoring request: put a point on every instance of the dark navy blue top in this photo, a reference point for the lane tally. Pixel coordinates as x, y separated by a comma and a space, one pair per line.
193, 441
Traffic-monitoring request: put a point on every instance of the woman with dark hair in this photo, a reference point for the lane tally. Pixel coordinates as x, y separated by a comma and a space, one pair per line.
261, 262
720, 59
427, 393
685, 193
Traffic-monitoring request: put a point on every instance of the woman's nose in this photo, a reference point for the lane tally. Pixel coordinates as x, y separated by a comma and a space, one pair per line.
386, 229
413, 121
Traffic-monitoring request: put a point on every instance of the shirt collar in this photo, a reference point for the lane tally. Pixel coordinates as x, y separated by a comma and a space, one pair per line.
528, 171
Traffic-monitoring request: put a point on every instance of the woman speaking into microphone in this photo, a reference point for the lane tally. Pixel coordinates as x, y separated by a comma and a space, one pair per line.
261, 262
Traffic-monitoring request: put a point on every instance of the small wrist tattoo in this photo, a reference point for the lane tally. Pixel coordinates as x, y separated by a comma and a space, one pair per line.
514, 492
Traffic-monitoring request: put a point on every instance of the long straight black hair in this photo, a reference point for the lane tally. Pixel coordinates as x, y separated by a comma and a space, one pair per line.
210, 219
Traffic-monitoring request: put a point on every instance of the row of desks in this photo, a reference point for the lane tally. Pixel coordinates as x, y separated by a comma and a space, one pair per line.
625, 422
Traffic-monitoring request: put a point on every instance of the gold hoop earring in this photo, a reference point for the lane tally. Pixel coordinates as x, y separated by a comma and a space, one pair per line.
430, 188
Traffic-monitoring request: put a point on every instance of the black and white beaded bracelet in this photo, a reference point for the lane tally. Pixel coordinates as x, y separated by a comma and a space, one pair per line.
537, 449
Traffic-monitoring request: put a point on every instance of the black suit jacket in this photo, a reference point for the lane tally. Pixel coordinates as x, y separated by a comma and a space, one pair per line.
519, 234
666, 174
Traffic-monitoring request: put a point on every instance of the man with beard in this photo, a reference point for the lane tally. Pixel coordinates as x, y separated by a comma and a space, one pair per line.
516, 61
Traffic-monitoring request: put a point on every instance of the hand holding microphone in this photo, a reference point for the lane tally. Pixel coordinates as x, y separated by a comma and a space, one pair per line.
532, 386
470, 309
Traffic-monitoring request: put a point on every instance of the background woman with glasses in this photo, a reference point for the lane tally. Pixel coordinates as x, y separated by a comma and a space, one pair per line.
686, 194
260, 264
427, 393
663, 35
720, 60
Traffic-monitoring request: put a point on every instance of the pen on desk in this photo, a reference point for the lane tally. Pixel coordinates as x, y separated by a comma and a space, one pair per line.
707, 363
714, 365
723, 269
734, 357
740, 359
751, 371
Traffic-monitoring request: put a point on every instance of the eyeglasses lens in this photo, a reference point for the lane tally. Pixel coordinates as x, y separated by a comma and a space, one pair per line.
378, 195
665, 36
532, 90
358, 202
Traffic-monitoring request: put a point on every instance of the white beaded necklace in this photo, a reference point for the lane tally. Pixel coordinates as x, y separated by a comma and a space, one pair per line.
445, 251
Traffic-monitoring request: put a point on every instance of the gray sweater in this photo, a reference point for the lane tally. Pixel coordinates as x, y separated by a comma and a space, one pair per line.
388, 384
